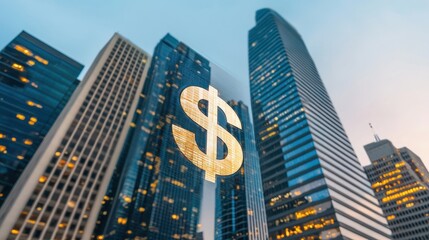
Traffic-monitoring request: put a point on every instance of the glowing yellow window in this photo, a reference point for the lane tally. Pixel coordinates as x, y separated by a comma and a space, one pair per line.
42, 179
20, 116
20, 157
122, 221
31, 63
100, 237
14, 231
127, 199
28, 142
23, 50
175, 217
2, 148
24, 80
57, 154
2, 135
70, 165
40, 59
141, 209
18, 67
33, 119
71, 204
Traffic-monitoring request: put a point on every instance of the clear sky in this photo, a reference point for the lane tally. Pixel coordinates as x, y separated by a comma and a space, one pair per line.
373, 55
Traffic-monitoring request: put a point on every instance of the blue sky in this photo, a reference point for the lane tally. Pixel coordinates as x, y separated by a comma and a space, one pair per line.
373, 55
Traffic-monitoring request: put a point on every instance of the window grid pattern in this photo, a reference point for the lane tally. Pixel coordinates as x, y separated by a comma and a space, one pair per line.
301, 142
64, 196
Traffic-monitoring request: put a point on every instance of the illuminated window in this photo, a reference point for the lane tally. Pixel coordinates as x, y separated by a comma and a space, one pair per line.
127, 199
41, 60
30, 63
42, 179
122, 221
20, 116
3, 148
18, 67
24, 80
23, 50
28, 142
71, 204
175, 217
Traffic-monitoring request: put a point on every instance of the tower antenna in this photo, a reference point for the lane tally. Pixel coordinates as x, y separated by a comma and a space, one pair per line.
377, 138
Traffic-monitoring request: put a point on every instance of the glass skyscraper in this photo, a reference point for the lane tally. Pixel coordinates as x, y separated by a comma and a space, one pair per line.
59, 194
314, 186
36, 81
240, 209
401, 184
156, 192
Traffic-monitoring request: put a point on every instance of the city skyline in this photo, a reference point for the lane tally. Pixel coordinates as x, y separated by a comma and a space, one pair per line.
373, 45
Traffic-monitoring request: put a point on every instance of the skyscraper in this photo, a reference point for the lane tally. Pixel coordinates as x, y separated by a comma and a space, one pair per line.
401, 184
59, 194
240, 209
157, 192
36, 81
314, 186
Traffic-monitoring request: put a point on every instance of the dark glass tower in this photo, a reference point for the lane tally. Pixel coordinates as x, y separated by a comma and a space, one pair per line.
314, 186
36, 81
156, 192
240, 210
401, 184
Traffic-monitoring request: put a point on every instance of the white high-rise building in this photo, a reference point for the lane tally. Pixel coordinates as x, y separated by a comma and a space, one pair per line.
60, 193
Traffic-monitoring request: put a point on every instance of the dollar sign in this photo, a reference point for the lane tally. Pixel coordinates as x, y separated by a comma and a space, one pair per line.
185, 139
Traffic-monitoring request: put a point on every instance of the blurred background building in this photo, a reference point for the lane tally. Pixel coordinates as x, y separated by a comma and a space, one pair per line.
401, 184
36, 81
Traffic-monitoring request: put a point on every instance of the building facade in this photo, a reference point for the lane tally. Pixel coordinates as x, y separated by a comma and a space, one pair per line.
314, 186
61, 190
36, 81
401, 184
157, 193
240, 209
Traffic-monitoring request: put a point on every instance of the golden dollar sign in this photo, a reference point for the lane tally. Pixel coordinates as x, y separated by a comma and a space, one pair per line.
189, 99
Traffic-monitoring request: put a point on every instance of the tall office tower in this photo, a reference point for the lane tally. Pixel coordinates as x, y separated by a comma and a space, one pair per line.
36, 81
401, 184
59, 194
157, 192
240, 209
314, 186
